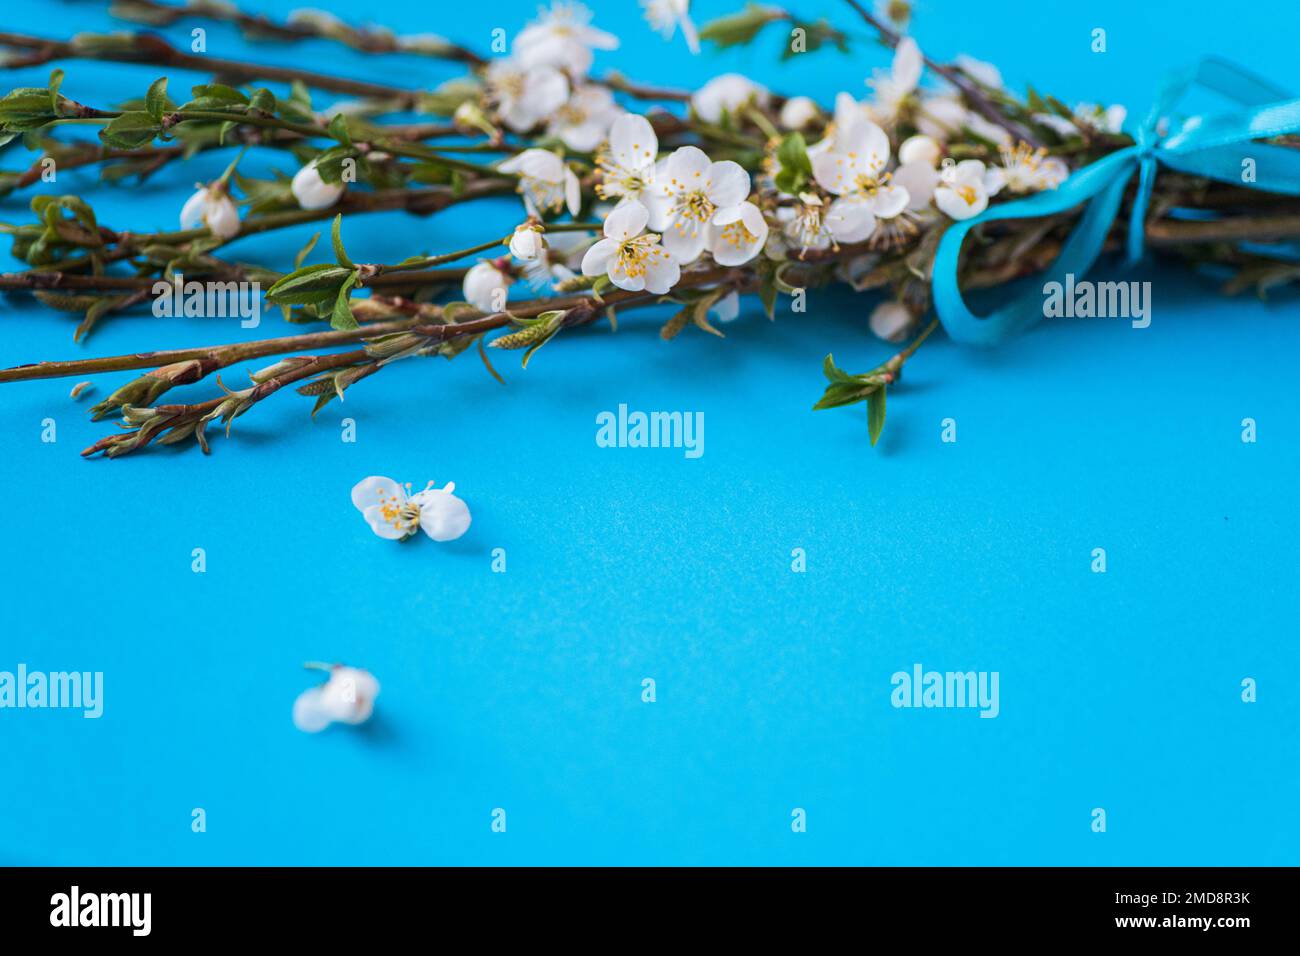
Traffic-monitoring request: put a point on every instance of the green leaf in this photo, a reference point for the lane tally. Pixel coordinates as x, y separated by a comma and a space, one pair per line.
342, 317
215, 96
298, 106
131, 130
740, 28
305, 251
56, 80
338, 128
263, 100
876, 414
155, 101
329, 163
834, 372
839, 394
25, 108
312, 285
815, 36
340, 253
796, 167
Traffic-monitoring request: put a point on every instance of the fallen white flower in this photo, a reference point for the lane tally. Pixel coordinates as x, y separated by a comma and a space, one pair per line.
348, 697
394, 513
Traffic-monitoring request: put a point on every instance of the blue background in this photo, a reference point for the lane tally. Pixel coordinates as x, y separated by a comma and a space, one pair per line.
522, 690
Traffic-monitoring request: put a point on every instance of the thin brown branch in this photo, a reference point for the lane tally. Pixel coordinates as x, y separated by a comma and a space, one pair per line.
974, 95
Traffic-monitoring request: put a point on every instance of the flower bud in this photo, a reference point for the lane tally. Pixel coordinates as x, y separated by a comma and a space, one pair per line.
527, 243
311, 191
211, 206
919, 148
798, 112
891, 321
485, 285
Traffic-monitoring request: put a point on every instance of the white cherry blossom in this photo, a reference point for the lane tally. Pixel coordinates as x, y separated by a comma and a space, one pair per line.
211, 206
688, 192
727, 93
982, 72
963, 190
736, 234
1103, 119
348, 697
892, 88
1026, 170
632, 258
665, 16
562, 37
627, 164
545, 181
583, 122
525, 96
855, 172
394, 513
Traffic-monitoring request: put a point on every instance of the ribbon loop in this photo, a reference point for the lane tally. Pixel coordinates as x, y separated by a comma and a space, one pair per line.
1216, 148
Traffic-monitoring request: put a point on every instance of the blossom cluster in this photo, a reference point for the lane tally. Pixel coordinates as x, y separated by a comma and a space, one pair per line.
877, 173
869, 174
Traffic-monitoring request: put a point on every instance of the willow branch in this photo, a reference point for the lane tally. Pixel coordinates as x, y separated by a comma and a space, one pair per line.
153, 49
978, 101
259, 26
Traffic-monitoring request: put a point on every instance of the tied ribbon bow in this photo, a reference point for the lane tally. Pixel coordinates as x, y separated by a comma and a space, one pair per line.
1213, 147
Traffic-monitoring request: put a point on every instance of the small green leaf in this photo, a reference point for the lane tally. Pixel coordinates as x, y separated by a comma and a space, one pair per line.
338, 128
305, 251
839, 394
342, 317
131, 130
834, 372
340, 253
737, 29
25, 108
263, 100
796, 167
876, 414
309, 285
56, 80
155, 101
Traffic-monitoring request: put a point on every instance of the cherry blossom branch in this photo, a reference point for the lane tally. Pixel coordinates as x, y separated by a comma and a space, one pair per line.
152, 49
315, 26
978, 101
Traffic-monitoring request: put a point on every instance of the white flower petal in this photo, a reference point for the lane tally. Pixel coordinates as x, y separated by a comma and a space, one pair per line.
726, 183
688, 165
308, 715
849, 221
889, 201
907, 64
662, 273
684, 245
632, 141
377, 490
443, 516
626, 221
192, 211
597, 259
920, 180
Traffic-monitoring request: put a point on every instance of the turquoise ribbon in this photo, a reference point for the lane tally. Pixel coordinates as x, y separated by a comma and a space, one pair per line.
1213, 147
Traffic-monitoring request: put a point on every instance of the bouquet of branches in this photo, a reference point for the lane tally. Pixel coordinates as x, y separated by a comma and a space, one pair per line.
626, 195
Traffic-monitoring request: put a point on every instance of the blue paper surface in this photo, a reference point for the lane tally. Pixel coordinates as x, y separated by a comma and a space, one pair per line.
523, 691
